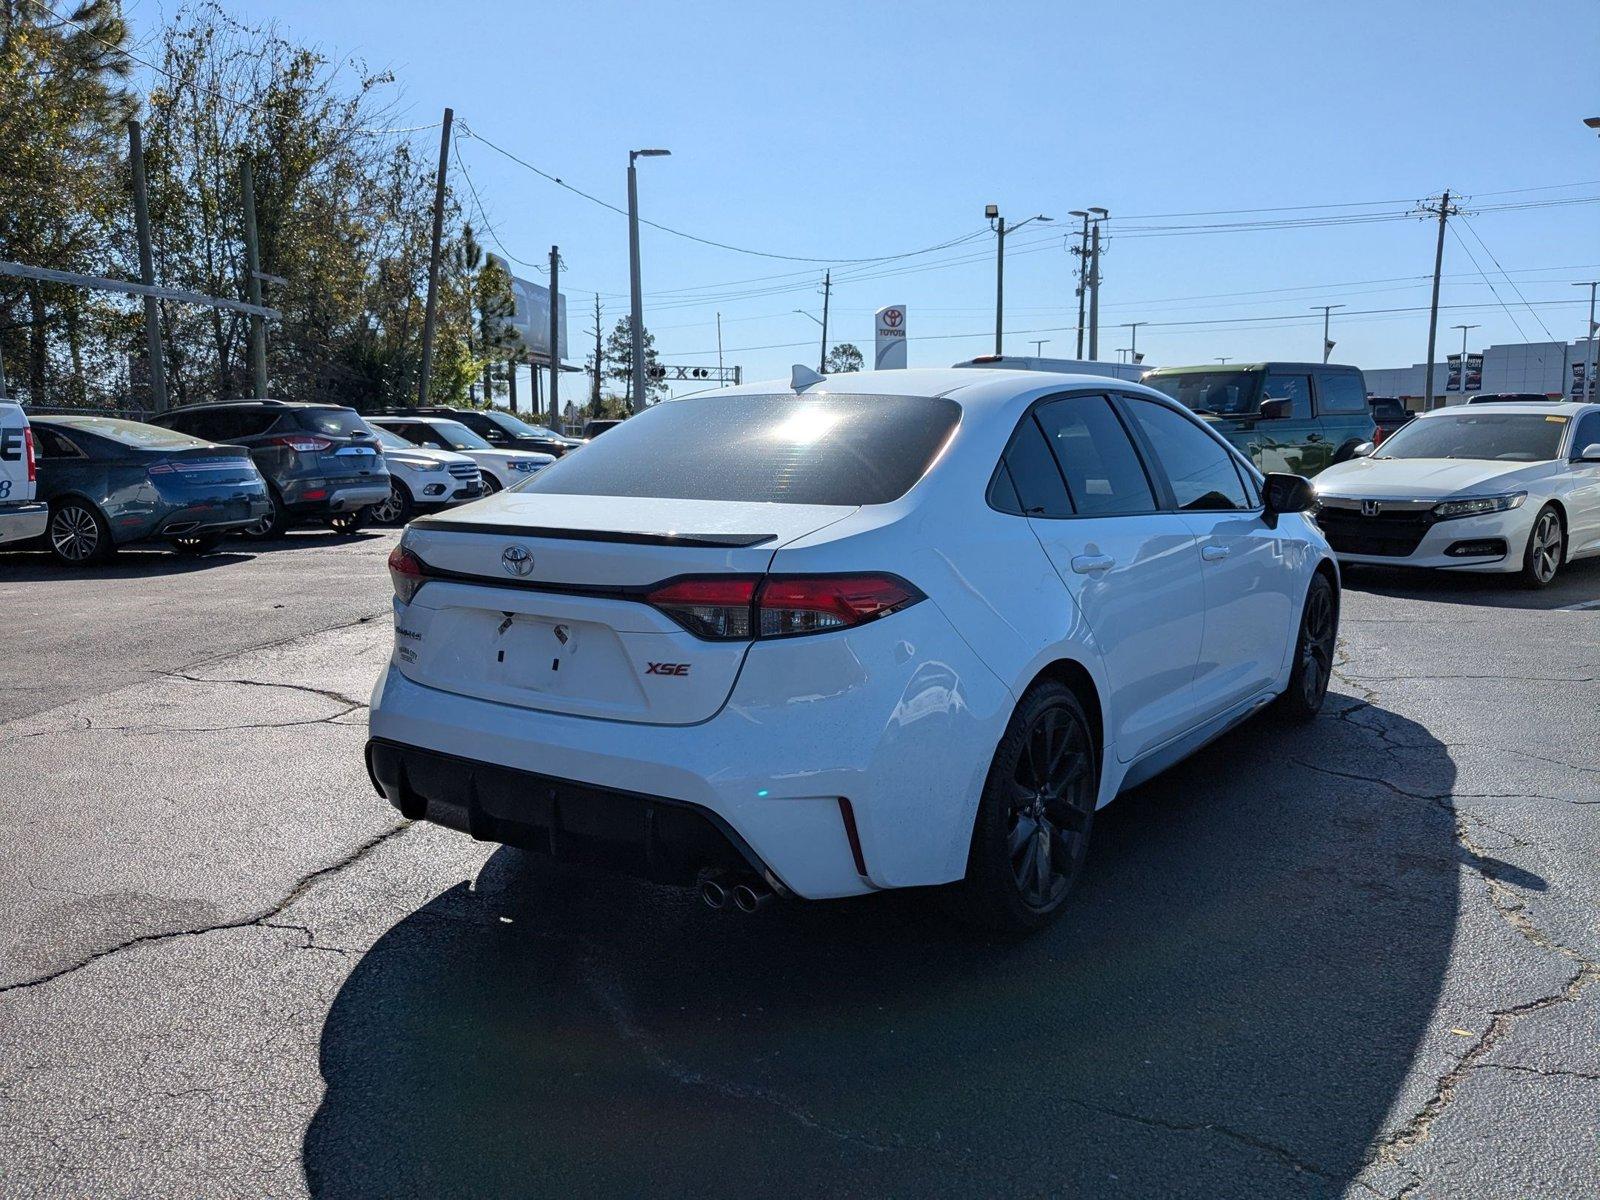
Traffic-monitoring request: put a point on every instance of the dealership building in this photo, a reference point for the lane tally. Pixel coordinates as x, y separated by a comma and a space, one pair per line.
1557, 369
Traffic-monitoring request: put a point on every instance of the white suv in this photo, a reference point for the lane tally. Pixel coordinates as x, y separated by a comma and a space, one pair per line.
422, 479
21, 516
500, 469
883, 630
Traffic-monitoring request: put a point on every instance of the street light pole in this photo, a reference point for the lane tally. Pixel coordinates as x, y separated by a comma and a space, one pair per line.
1133, 336
1463, 329
1038, 346
992, 211
636, 298
1589, 363
1325, 309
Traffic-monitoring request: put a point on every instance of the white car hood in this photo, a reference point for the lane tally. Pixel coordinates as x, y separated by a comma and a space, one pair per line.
1426, 478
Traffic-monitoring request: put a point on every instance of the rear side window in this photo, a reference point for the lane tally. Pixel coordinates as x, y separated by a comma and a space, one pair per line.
1294, 388
50, 444
1201, 472
843, 450
1104, 475
1029, 470
1340, 392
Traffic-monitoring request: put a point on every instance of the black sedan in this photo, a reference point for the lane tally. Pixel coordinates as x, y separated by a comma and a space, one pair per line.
110, 482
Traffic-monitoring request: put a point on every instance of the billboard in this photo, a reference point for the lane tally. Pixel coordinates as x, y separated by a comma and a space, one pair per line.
890, 343
531, 315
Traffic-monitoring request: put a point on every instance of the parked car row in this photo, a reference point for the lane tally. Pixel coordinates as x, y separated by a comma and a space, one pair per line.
84, 485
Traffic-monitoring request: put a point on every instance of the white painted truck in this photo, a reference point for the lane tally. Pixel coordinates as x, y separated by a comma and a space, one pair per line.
21, 516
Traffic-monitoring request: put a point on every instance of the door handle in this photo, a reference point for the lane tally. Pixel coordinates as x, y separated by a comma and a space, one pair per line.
1215, 553
1314, 437
1088, 564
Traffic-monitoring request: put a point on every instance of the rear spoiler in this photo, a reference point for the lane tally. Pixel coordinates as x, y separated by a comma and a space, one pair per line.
445, 525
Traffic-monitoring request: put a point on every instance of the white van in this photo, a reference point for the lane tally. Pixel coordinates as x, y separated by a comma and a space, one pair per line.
21, 517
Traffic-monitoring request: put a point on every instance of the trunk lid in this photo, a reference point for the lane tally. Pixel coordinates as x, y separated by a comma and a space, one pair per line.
204, 465
538, 600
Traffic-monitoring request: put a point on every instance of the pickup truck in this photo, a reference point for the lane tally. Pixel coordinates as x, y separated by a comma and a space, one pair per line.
22, 518
1388, 414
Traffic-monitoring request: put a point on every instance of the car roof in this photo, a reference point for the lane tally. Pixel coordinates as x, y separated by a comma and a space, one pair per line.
1271, 365
419, 419
1566, 408
969, 386
263, 403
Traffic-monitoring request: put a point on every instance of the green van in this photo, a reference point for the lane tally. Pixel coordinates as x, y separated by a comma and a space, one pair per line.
1294, 417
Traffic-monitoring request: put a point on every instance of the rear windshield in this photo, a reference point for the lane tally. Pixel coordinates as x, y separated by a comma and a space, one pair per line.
1501, 437
340, 422
135, 433
1220, 393
782, 449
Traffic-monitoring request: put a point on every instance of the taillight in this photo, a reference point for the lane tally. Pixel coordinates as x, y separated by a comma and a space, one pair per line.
717, 608
737, 608
1378, 434
790, 606
303, 443
408, 573
27, 452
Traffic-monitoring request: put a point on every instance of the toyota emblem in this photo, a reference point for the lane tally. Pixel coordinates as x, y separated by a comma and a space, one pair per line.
892, 317
1371, 508
515, 560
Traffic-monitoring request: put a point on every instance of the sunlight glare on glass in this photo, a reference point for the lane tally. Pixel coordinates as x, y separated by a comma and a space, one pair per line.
805, 426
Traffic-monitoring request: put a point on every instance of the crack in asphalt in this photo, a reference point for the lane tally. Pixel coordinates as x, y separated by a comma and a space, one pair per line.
1547, 1072
325, 693
261, 919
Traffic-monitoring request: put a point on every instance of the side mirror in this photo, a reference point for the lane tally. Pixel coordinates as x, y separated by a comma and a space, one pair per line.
1591, 453
1277, 409
1285, 493
1363, 450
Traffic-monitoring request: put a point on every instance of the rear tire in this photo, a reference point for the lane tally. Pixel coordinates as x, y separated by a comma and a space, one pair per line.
78, 535
348, 522
1313, 653
1546, 549
1034, 817
196, 544
270, 526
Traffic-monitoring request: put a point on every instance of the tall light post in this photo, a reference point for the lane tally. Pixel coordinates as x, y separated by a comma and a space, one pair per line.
1589, 363
1038, 346
1133, 337
998, 224
636, 312
1325, 309
1463, 329
1099, 214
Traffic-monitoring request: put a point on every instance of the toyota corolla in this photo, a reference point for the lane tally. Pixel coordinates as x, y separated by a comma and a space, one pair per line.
835, 636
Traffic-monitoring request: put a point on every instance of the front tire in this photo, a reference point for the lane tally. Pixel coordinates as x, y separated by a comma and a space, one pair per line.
491, 485
398, 508
1546, 549
1313, 653
1034, 817
78, 534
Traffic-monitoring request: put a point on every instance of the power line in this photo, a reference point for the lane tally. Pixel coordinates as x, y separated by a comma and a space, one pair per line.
1495, 291
1508, 279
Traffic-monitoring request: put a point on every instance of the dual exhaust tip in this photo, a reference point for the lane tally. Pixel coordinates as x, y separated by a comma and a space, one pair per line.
746, 896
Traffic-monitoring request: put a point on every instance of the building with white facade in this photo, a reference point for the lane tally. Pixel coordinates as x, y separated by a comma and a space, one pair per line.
1555, 368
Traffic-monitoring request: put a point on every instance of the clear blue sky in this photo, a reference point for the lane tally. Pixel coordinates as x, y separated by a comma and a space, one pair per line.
846, 130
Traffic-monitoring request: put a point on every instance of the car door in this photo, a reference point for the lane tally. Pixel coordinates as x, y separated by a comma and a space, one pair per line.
1249, 585
64, 466
1583, 496
1292, 443
1132, 569
1343, 417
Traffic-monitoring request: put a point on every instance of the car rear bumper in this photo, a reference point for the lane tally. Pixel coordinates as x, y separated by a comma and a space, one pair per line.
20, 522
843, 763
214, 516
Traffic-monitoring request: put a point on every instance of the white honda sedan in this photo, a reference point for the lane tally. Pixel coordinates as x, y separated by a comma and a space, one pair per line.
1513, 488
822, 638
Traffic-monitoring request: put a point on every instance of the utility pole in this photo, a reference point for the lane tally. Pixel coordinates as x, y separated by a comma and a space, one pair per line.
433, 259
719, 344
252, 259
827, 292
1463, 329
1325, 309
636, 317
1094, 295
555, 331
999, 280
1589, 362
511, 384
599, 359
147, 271
1083, 272
1444, 212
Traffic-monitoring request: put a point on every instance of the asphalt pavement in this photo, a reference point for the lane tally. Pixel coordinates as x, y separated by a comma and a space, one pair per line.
1354, 958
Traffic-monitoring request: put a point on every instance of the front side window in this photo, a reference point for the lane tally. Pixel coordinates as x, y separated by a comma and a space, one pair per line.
1294, 388
1214, 393
1340, 392
1587, 433
1104, 475
453, 435
1492, 436
785, 449
1201, 471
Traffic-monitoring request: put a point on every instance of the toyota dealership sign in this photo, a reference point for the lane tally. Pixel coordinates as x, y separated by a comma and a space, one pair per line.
891, 339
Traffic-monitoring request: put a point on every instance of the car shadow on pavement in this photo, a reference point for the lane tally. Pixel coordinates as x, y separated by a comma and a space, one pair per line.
133, 562
1578, 582
1229, 1007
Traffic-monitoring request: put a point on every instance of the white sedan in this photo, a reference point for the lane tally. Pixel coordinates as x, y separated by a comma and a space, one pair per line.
825, 637
499, 468
1512, 488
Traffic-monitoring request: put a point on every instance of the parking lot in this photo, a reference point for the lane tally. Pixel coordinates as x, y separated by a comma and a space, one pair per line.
1356, 957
